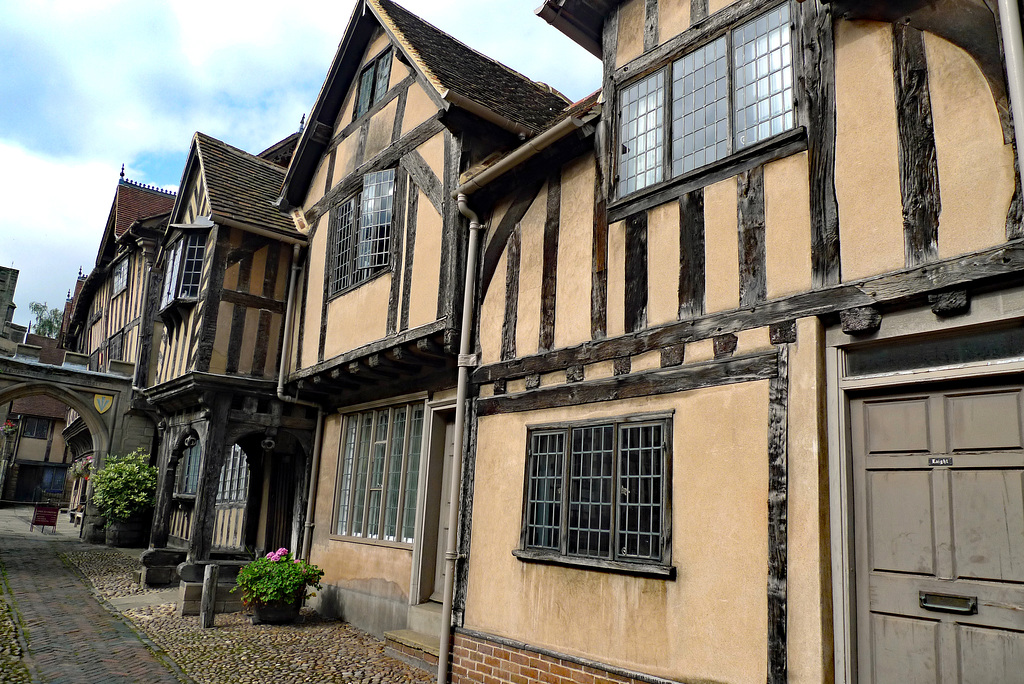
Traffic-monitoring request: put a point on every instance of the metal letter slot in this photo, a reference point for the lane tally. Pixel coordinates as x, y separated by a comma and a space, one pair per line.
949, 603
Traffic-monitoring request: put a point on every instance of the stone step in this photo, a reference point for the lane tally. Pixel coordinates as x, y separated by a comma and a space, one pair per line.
426, 618
414, 648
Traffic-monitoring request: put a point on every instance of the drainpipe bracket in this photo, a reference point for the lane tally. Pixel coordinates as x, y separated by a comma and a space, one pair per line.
468, 360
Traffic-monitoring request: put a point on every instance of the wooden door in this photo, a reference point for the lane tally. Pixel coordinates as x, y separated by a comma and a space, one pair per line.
939, 530
280, 502
443, 510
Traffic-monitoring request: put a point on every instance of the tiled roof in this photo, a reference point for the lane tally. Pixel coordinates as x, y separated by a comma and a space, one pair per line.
452, 65
136, 201
40, 405
242, 186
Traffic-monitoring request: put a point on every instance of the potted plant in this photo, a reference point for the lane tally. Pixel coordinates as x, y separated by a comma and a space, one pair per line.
275, 585
8, 429
124, 490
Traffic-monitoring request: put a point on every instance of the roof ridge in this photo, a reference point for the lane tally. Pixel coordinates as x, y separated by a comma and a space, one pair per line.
540, 85
250, 155
147, 187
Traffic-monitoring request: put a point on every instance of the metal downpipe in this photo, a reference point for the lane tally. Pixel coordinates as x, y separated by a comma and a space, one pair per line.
465, 363
1013, 49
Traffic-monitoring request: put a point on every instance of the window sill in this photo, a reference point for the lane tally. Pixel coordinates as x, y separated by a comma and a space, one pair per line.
405, 546
185, 498
174, 312
782, 145
654, 570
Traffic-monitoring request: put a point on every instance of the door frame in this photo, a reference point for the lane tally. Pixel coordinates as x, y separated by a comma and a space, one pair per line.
422, 577
1006, 306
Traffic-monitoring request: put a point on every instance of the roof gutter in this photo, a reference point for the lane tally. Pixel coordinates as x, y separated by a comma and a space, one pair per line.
484, 113
530, 149
566, 23
265, 232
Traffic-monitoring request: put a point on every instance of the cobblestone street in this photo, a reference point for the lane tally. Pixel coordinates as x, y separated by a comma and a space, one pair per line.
70, 613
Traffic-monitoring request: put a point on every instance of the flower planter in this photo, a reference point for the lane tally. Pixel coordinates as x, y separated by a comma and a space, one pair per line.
127, 533
277, 612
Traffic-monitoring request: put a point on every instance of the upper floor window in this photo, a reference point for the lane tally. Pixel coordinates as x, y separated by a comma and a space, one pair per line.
598, 492
121, 276
379, 473
36, 428
184, 268
373, 82
360, 237
709, 119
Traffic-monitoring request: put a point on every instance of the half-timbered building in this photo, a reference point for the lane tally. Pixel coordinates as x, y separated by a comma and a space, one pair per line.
109, 317
233, 456
750, 386
404, 110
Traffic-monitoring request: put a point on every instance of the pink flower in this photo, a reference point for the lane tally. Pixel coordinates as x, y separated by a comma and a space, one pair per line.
270, 556
275, 557
296, 561
282, 551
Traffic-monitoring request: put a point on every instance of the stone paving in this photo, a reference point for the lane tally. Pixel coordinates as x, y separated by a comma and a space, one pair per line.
167, 648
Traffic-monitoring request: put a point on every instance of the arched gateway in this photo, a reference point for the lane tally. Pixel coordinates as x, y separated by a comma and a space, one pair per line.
100, 399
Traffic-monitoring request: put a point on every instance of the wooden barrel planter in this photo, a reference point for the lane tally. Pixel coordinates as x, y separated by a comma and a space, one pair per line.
127, 533
277, 612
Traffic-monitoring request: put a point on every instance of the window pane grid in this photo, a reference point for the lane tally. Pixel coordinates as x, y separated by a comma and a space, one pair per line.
342, 252
700, 107
383, 76
641, 118
763, 81
365, 91
374, 246
412, 474
171, 274
591, 482
193, 268
544, 499
394, 482
188, 471
359, 495
234, 477
344, 487
377, 464
121, 276
640, 485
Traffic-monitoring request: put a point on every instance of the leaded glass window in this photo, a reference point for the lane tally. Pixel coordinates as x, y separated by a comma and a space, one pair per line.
763, 81
379, 469
187, 481
360, 240
641, 119
373, 82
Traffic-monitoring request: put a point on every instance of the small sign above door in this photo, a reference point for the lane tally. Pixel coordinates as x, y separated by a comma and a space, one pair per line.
941, 461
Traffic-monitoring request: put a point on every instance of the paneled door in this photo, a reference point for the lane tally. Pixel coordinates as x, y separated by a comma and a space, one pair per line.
939, 531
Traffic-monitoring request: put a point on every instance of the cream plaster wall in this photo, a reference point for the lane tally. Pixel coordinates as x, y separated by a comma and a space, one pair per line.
601, 369
374, 48
314, 295
426, 265
218, 355
531, 271
575, 254
357, 317
647, 361
787, 213
673, 18
753, 340
631, 31
432, 152
418, 108
809, 616
399, 72
867, 158
715, 5
378, 134
711, 622
975, 167
721, 247
345, 158
616, 305
492, 314
319, 183
250, 334
700, 350
663, 264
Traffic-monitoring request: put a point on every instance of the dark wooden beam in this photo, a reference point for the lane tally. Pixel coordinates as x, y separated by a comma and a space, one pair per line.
550, 262
724, 345
635, 304
363, 371
397, 244
647, 383
423, 178
919, 167
778, 522
815, 41
952, 303
500, 234
698, 11
1015, 214
412, 215
511, 317
650, 24
691, 254
862, 320
750, 210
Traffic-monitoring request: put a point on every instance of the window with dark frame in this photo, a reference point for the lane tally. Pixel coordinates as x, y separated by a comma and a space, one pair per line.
360, 238
710, 118
121, 276
34, 427
234, 477
373, 82
115, 351
379, 473
187, 480
598, 491
184, 268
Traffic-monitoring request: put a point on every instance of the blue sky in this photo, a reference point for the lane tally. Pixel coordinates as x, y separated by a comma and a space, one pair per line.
88, 86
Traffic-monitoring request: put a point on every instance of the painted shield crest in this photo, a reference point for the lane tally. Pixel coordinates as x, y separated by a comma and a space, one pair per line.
102, 402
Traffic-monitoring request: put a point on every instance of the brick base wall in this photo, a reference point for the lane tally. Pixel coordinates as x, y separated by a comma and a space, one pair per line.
479, 660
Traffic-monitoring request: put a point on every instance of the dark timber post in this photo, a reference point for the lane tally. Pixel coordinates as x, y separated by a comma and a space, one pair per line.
205, 512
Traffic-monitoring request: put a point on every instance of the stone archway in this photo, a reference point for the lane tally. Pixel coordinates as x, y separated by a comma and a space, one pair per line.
98, 428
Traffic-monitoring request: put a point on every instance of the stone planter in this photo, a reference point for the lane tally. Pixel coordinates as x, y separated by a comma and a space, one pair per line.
277, 612
127, 533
